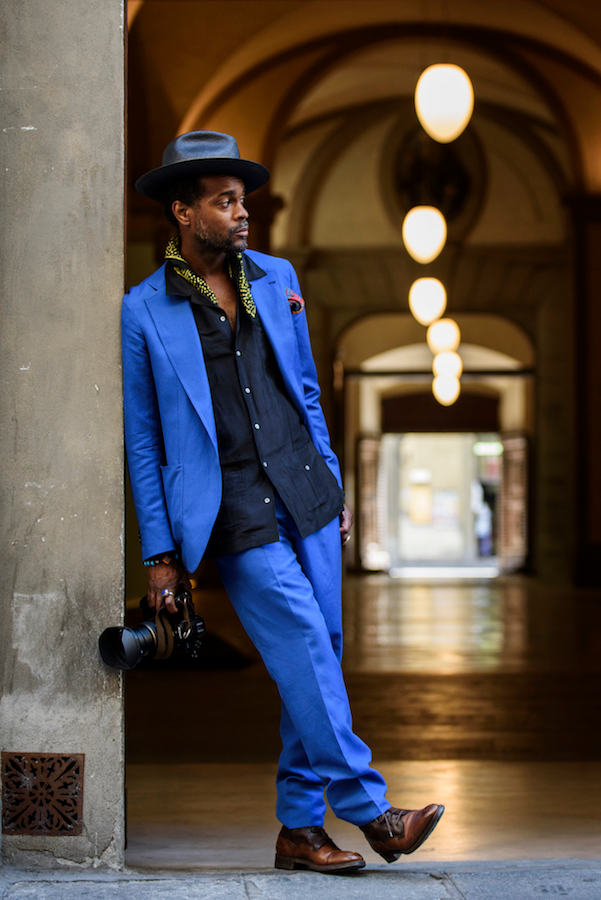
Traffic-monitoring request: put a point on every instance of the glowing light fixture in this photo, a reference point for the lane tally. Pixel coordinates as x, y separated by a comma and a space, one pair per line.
424, 233
443, 335
446, 389
447, 363
427, 299
444, 101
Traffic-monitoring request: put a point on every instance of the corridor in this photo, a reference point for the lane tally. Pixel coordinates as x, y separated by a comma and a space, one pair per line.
480, 695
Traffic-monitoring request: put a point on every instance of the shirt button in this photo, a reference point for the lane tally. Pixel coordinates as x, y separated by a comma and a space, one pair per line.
307, 468
247, 390
267, 500
238, 353
264, 464
222, 318
257, 426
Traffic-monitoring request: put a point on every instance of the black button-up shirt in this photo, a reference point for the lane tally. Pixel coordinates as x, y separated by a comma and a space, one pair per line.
264, 446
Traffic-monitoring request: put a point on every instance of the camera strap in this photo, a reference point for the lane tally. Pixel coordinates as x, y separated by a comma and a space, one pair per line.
164, 627
164, 647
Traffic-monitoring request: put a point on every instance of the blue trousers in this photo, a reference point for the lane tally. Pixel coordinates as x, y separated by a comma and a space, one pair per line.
287, 596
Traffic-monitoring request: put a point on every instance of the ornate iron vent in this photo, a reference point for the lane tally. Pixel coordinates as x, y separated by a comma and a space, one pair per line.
42, 793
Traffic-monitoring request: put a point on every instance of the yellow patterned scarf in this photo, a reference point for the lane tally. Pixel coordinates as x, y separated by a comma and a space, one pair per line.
235, 269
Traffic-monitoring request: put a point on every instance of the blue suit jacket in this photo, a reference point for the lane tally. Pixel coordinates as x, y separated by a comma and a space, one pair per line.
170, 432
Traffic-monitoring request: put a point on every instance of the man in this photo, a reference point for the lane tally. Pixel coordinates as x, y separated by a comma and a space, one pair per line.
229, 457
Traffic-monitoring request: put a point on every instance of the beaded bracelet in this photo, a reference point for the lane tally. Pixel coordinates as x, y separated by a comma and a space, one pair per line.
166, 558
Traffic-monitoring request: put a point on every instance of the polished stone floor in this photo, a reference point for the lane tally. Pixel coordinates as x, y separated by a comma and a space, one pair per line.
485, 696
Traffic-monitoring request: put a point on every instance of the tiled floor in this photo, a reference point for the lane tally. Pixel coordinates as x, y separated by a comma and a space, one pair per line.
483, 696
221, 815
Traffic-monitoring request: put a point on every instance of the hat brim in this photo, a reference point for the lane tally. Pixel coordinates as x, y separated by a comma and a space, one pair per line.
153, 184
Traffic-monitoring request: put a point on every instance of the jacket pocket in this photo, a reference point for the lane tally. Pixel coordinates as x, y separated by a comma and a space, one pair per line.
173, 481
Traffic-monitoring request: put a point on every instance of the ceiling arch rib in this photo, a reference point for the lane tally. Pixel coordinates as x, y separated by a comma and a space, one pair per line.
248, 113
578, 102
318, 166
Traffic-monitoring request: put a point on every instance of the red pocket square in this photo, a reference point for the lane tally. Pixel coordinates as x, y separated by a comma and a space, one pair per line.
297, 304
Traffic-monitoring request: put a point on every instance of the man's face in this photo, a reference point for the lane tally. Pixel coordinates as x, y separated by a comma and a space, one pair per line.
219, 220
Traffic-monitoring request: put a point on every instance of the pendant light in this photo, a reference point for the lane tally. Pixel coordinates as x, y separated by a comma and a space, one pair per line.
446, 389
447, 363
443, 335
424, 233
444, 101
427, 299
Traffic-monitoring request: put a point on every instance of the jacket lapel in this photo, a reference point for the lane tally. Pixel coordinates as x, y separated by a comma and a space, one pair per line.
276, 318
174, 321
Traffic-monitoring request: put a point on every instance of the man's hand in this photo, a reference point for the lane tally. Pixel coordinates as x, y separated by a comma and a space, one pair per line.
346, 524
166, 576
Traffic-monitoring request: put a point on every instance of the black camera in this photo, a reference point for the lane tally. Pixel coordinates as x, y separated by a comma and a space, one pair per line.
159, 636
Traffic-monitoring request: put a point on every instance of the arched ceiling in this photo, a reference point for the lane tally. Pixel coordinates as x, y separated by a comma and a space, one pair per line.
320, 90
258, 67
344, 120
301, 23
315, 89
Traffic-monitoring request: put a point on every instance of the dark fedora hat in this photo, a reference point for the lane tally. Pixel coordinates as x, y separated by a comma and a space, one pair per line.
201, 153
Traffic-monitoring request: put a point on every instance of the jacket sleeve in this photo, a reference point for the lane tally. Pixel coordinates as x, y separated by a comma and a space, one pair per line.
311, 386
143, 437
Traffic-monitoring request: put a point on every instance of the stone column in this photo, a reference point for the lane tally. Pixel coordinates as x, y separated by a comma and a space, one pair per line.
61, 172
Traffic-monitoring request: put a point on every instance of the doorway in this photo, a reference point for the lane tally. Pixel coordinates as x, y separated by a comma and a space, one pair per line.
437, 487
441, 495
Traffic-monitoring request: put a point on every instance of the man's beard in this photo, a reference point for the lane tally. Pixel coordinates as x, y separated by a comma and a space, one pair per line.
218, 243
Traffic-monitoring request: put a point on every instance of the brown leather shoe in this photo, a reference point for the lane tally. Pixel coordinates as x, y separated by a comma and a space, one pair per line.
401, 830
312, 848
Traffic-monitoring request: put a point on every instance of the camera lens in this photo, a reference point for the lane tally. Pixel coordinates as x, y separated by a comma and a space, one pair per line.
123, 648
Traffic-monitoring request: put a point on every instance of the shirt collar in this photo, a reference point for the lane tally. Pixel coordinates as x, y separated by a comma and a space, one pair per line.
178, 286
253, 271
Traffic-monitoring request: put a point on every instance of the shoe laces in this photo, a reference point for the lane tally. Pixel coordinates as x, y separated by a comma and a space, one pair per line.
393, 819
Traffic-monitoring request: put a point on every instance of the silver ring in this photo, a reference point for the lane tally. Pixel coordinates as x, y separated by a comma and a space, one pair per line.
167, 593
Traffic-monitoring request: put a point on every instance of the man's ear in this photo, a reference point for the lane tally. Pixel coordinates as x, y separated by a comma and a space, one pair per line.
181, 211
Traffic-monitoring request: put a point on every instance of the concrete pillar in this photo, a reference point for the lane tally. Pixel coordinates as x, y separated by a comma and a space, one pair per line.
62, 163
